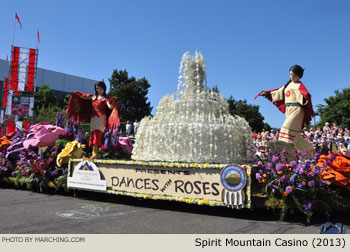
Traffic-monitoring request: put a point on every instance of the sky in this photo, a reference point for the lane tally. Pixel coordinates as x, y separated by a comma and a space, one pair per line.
248, 45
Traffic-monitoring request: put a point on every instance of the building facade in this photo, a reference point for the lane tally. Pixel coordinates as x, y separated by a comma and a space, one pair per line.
60, 83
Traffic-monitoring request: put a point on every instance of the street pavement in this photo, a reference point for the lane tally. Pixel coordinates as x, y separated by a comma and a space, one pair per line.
26, 212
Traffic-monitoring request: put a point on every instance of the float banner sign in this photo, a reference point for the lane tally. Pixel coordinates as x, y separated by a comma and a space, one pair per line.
227, 185
86, 176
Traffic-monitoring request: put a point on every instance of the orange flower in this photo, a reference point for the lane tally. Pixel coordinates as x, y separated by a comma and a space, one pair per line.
264, 180
285, 194
279, 172
290, 169
264, 175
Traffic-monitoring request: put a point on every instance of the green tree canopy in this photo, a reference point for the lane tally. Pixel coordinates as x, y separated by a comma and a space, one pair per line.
131, 94
337, 109
44, 97
48, 114
249, 112
267, 127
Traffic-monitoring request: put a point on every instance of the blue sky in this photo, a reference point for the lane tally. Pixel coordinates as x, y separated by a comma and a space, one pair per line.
248, 45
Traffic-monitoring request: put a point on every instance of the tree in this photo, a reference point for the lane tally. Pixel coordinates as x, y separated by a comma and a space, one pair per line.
267, 127
249, 112
63, 100
44, 97
337, 109
131, 94
48, 114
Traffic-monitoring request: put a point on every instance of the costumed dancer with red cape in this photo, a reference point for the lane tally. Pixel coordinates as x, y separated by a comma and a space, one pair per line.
294, 100
99, 110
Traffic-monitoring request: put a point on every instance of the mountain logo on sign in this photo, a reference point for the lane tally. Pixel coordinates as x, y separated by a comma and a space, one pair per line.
86, 167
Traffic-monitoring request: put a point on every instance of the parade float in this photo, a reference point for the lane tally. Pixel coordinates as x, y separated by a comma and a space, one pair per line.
193, 150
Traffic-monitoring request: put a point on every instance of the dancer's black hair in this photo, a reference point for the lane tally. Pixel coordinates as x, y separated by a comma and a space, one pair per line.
297, 70
102, 85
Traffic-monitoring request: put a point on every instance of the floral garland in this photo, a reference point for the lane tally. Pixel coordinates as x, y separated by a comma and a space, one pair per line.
157, 164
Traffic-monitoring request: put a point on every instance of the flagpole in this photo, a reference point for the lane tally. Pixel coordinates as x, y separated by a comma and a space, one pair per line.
37, 39
14, 29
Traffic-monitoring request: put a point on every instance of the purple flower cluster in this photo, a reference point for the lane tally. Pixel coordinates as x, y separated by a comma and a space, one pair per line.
69, 126
38, 169
60, 118
111, 138
300, 177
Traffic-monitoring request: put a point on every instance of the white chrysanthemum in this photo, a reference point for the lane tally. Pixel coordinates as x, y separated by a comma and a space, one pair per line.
193, 126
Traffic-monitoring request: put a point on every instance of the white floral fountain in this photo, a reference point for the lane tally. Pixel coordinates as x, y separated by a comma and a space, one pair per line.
193, 125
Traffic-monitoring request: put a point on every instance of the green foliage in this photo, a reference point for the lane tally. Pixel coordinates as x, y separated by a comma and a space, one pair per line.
46, 106
61, 182
337, 109
63, 102
48, 114
131, 94
249, 112
44, 97
267, 127
116, 153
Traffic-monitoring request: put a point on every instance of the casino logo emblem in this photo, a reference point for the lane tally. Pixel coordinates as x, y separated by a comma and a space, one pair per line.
86, 167
234, 179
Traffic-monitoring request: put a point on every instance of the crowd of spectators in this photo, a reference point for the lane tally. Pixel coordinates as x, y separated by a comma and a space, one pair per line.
131, 128
330, 138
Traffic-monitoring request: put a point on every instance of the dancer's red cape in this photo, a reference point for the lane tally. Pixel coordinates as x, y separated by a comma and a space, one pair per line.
281, 105
81, 110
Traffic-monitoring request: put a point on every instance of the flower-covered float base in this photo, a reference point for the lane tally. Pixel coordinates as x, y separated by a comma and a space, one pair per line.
203, 184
